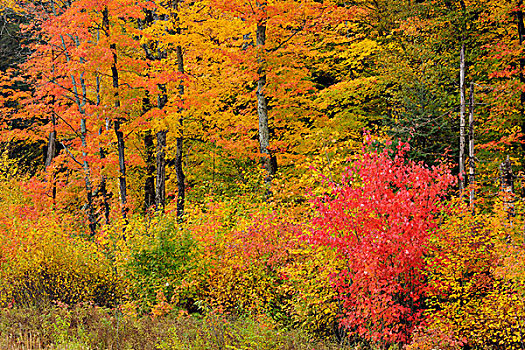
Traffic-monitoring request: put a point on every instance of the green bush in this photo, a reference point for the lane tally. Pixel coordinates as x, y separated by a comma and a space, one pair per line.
164, 268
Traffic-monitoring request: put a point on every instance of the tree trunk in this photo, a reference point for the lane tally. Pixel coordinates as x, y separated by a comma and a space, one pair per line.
103, 182
507, 178
269, 164
149, 147
160, 190
117, 121
471, 157
51, 145
122, 166
81, 101
149, 183
51, 152
181, 189
462, 119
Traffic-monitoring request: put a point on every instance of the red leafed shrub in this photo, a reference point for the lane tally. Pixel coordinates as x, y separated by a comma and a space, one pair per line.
379, 220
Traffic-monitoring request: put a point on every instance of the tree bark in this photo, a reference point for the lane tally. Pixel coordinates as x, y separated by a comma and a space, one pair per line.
269, 164
103, 182
51, 152
81, 100
471, 156
149, 147
179, 170
462, 119
117, 122
507, 178
160, 190
51, 144
149, 183
122, 166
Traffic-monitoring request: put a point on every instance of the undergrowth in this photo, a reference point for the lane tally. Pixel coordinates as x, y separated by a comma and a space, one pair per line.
86, 326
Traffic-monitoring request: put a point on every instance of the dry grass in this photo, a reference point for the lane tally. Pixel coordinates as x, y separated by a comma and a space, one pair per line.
86, 327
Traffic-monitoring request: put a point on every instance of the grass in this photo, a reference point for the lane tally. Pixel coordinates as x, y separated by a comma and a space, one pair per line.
84, 327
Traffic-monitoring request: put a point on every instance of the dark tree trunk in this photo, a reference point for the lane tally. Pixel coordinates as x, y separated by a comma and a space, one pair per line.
160, 191
507, 178
179, 171
117, 122
122, 165
149, 184
181, 189
103, 182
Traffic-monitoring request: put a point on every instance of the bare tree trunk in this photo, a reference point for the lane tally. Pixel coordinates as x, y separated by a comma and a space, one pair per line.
122, 166
51, 144
262, 107
462, 119
160, 190
507, 178
117, 122
103, 182
149, 183
471, 156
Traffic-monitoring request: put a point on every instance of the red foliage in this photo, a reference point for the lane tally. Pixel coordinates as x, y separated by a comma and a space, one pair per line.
379, 220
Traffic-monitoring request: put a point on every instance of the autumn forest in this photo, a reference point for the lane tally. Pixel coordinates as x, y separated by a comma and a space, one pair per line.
262, 174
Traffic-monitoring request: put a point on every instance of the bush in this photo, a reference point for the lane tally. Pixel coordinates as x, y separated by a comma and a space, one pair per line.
159, 260
470, 301
379, 221
42, 263
315, 306
247, 266
85, 326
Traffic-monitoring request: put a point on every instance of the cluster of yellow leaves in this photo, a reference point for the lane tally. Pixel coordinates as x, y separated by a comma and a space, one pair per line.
41, 263
315, 307
471, 303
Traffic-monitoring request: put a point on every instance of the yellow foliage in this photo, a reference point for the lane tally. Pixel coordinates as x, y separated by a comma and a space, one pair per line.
315, 307
42, 263
470, 302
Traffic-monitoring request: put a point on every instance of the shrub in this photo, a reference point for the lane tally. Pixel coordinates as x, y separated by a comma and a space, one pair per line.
379, 220
158, 259
315, 306
469, 300
246, 266
41, 263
